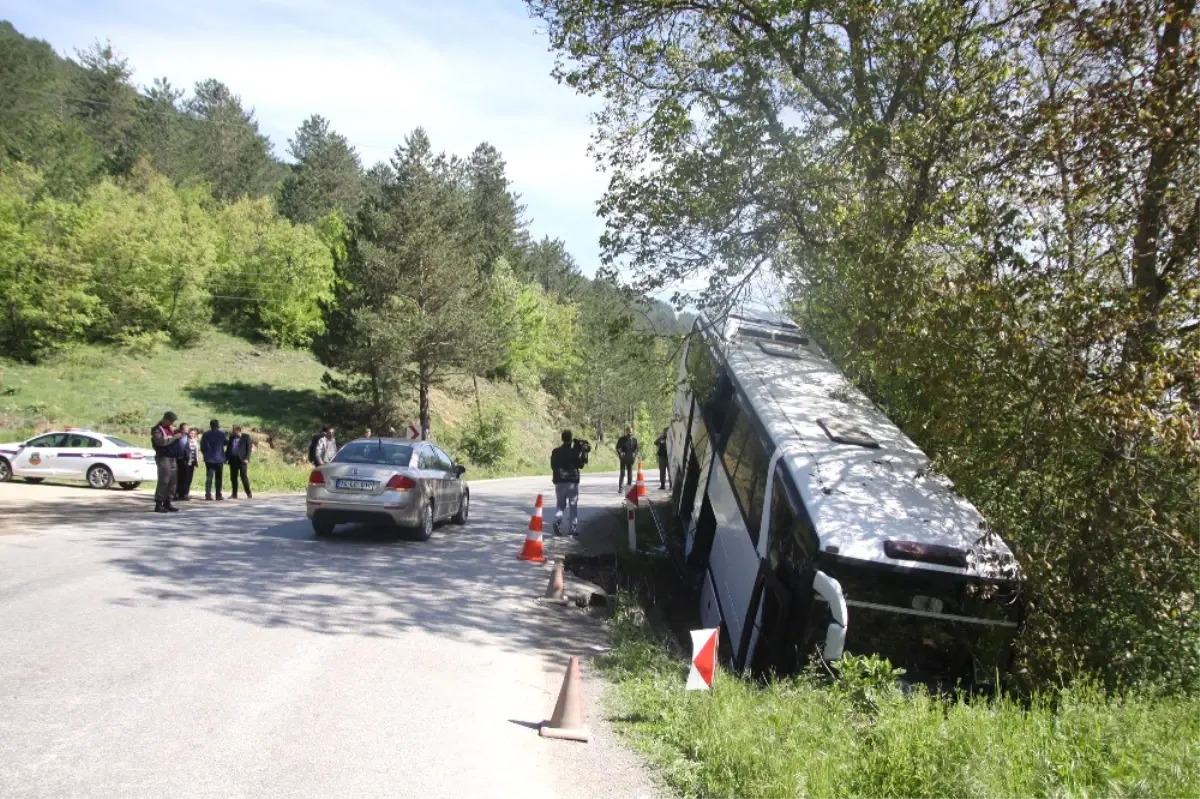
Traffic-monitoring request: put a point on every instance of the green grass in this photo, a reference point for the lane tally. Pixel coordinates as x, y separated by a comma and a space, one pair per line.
803, 737
858, 736
277, 393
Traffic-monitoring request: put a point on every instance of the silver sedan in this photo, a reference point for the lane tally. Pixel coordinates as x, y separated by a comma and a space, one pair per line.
410, 484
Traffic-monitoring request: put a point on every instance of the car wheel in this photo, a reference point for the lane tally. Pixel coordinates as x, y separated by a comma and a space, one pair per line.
463, 510
322, 527
424, 531
100, 477
5, 471
34, 480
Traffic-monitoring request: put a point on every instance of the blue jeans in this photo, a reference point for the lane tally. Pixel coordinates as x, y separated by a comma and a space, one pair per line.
567, 495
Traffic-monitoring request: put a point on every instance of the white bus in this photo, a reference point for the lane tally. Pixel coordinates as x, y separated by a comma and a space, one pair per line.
813, 525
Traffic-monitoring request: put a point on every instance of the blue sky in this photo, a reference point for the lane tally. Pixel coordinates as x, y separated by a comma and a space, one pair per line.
466, 70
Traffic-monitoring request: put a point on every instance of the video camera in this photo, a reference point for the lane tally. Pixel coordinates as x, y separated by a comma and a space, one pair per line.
581, 449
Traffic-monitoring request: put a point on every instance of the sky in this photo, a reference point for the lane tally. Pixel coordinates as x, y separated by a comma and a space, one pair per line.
466, 70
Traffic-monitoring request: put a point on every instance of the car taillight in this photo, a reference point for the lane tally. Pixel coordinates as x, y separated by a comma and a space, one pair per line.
131, 456
401, 483
316, 478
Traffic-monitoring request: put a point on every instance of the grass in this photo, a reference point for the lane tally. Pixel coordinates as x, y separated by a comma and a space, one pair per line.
811, 735
276, 393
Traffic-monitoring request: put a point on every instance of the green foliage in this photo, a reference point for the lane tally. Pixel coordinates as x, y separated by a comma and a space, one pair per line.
45, 302
273, 276
152, 249
224, 145
858, 737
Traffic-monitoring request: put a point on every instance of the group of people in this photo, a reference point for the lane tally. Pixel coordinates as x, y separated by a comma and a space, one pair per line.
178, 452
567, 460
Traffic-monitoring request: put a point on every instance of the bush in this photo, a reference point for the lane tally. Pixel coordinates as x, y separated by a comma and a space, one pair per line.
485, 439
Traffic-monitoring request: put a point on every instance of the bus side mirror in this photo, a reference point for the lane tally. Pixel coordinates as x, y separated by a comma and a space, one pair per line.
830, 590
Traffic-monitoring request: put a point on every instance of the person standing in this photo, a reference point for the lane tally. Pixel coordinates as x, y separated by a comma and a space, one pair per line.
186, 463
627, 450
165, 441
565, 463
326, 447
212, 446
237, 455
661, 446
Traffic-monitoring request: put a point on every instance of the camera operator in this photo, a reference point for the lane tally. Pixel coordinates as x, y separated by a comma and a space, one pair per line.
565, 463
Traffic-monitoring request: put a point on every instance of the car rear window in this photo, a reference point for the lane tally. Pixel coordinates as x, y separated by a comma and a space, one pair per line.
120, 442
381, 452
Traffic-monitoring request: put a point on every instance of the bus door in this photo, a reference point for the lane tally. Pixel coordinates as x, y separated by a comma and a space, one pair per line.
784, 591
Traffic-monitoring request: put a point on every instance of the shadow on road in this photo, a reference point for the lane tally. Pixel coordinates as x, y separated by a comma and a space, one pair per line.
244, 562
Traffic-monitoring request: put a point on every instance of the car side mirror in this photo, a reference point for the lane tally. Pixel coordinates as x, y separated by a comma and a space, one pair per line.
459, 469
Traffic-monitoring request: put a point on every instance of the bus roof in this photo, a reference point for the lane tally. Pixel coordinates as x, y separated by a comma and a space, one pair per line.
861, 479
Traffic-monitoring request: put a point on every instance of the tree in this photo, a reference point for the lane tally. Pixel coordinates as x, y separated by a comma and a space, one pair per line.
272, 276
45, 297
495, 209
327, 175
987, 213
152, 249
226, 148
106, 104
410, 310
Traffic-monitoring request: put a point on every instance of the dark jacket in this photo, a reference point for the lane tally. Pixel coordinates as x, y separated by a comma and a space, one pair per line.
247, 446
212, 445
164, 443
662, 447
564, 464
627, 448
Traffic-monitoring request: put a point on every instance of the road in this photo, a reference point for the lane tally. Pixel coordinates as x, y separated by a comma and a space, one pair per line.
223, 651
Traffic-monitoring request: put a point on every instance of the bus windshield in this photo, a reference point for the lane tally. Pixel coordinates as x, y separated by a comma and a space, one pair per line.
939, 628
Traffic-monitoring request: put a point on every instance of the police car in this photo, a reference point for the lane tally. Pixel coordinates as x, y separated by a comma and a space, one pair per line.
78, 454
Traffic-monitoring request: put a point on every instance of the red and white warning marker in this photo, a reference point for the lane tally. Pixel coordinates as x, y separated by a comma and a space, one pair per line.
704, 660
411, 432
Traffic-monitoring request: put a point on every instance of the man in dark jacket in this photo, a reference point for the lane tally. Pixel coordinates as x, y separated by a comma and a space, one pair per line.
661, 445
627, 450
185, 462
212, 447
565, 465
237, 455
165, 441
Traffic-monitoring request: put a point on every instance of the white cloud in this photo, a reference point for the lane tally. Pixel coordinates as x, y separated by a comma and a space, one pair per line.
466, 71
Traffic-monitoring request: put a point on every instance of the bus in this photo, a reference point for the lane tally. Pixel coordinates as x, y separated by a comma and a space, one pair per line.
810, 525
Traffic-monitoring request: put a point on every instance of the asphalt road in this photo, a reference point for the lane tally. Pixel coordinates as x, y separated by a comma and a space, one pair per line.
223, 651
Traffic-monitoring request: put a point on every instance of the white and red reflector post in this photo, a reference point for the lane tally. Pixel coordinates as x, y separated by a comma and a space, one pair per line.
704, 660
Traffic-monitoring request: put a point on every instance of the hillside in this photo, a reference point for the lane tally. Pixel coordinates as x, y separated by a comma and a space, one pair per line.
277, 392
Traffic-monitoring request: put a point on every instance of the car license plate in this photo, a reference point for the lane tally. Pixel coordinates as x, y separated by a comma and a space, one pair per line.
355, 485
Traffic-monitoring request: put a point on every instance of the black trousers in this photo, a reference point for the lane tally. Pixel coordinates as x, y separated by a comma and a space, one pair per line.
662, 472
237, 468
211, 470
626, 470
184, 481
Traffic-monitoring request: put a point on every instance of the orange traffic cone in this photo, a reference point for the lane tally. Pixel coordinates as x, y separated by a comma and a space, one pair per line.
555, 588
567, 721
533, 539
641, 483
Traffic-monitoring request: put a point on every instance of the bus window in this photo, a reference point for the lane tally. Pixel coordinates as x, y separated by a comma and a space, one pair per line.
710, 385
746, 461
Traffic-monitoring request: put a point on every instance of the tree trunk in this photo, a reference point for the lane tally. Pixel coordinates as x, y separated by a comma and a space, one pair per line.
424, 391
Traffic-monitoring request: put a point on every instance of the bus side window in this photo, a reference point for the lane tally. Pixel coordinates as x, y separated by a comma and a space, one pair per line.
790, 549
746, 461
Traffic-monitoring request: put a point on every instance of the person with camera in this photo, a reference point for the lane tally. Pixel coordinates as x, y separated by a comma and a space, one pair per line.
565, 463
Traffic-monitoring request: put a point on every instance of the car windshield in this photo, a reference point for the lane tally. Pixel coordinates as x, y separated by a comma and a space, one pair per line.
381, 452
120, 442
